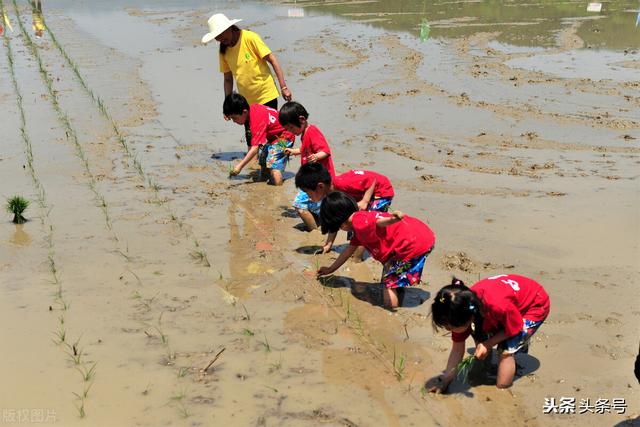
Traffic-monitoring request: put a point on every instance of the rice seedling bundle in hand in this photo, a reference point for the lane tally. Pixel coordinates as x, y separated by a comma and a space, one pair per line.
17, 205
464, 367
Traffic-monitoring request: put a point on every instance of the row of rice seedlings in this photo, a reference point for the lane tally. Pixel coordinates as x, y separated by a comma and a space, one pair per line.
40, 191
60, 335
200, 253
64, 119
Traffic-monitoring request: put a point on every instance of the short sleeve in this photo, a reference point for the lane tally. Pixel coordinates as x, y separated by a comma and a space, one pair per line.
224, 67
319, 143
460, 336
258, 127
364, 228
259, 47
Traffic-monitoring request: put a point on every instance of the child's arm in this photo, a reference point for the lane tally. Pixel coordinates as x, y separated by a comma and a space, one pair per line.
386, 221
344, 256
316, 157
331, 237
449, 374
292, 151
366, 198
482, 349
247, 158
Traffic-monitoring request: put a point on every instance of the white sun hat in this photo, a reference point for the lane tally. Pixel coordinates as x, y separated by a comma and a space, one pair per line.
217, 24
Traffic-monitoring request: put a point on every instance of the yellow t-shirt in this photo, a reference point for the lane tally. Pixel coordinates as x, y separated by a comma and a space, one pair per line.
246, 62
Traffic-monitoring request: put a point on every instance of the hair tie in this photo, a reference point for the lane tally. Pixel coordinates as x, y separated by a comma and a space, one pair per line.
442, 299
472, 307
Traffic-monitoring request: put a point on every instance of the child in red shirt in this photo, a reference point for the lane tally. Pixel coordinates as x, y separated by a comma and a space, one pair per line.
313, 150
372, 191
505, 310
266, 137
401, 243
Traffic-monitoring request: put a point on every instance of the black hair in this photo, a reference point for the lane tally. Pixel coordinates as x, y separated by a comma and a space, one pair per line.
290, 113
455, 305
223, 47
336, 208
234, 103
310, 175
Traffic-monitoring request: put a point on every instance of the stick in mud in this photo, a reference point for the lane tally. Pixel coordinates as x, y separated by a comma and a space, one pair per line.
214, 360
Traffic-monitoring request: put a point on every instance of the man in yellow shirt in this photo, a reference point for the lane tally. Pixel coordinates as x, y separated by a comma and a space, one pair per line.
244, 57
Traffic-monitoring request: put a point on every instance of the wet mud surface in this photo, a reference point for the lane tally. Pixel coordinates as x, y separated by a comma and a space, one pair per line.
149, 289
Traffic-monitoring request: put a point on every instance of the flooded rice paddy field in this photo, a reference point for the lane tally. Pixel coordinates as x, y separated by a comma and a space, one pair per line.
149, 289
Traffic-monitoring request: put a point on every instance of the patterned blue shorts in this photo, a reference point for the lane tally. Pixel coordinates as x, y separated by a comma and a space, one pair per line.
380, 205
516, 343
302, 201
401, 274
271, 156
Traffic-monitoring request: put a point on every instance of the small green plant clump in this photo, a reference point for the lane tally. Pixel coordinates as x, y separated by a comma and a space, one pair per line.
464, 367
17, 205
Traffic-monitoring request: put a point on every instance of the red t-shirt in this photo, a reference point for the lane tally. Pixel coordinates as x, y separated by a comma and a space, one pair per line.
401, 241
313, 141
264, 125
507, 299
356, 182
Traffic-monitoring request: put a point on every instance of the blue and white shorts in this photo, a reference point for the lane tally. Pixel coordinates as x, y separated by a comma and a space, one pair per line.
517, 342
303, 202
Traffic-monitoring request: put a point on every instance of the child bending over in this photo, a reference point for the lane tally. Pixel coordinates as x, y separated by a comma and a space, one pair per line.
505, 310
313, 150
372, 191
401, 243
266, 138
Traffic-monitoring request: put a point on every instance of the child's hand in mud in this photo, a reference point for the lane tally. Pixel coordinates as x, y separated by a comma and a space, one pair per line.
324, 250
481, 351
234, 172
438, 385
323, 271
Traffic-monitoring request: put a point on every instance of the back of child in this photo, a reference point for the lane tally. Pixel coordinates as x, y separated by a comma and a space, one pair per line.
265, 136
504, 310
401, 243
314, 148
356, 182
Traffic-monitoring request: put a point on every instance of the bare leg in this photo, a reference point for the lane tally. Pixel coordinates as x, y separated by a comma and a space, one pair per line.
506, 370
390, 298
308, 219
358, 254
276, 177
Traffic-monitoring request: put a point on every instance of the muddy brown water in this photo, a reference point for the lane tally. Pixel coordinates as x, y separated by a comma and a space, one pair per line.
513, 130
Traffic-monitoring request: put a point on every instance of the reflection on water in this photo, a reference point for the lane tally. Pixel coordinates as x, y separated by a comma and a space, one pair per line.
20, 237
531, 23
36, 18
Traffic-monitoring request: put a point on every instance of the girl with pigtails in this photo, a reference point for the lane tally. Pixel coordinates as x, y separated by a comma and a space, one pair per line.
504, 310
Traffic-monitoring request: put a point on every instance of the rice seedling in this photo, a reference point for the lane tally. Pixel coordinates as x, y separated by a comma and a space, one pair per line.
61, 335
85, 392
87, 373
275, 366
246, 313
183, 371
265, 344
183, 411
80, 408
398, 365
179, 396
248, 332
464, 367
16, 205
273, 389
201, 256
